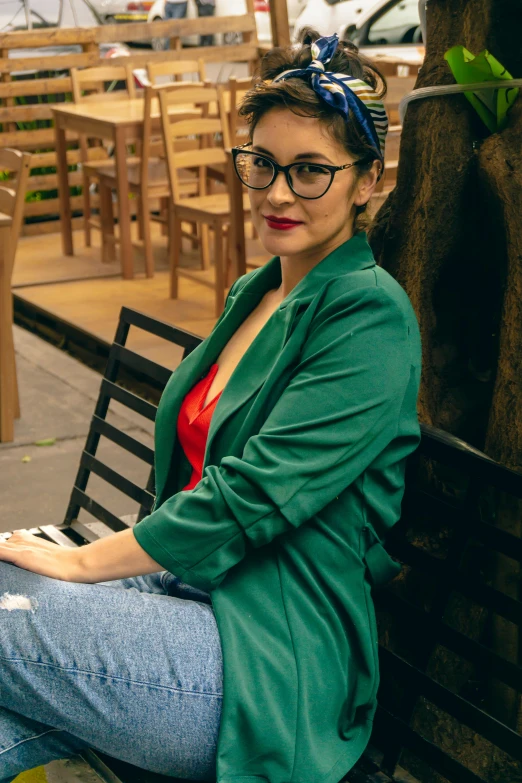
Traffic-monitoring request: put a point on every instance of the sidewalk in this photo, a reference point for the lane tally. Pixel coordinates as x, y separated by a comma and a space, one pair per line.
58, 395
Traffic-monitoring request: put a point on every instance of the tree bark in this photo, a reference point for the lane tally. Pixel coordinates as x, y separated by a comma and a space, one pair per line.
451, 234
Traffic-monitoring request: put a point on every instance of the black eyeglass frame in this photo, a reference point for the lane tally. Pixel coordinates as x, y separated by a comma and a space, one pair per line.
286, 169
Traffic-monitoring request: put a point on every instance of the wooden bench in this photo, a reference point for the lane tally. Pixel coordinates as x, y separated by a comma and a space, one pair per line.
436, 661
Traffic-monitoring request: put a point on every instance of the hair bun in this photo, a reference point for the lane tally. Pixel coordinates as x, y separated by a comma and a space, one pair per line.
347, 59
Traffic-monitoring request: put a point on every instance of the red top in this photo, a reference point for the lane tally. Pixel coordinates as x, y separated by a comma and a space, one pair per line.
194, 423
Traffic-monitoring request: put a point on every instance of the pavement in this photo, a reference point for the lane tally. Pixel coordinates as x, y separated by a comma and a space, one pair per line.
57, 396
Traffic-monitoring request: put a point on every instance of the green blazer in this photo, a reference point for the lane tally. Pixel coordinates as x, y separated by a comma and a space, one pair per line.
303, 475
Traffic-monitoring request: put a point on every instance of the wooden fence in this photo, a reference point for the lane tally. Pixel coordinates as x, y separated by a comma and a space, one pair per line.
29, 86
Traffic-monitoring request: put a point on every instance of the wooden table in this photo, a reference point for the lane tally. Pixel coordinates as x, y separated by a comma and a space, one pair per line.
119, 123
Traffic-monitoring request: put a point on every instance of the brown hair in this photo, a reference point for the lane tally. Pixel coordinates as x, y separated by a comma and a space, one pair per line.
298, 96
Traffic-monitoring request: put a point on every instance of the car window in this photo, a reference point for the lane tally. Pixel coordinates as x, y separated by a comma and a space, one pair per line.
397, 25
46, 13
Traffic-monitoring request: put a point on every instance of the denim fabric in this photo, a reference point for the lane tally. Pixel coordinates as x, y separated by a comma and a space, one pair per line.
206, 9
132, 668
176, 10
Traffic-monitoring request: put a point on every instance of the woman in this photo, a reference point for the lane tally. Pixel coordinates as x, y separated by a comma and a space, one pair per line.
277, 511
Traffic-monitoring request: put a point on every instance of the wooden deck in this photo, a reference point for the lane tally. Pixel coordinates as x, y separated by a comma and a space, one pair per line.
88, 295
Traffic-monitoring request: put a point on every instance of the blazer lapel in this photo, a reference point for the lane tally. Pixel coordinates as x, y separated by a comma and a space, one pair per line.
183, 379
253, 368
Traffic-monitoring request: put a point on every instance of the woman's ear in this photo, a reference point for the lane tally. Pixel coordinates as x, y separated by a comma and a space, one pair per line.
367, 183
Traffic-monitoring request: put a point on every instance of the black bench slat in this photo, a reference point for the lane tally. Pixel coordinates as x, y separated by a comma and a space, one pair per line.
122, 439
456, 706
141, 364
86, 532
112, 391
173, 334
98, 511
396, 731
56, 536
116, 480
422, 622
487, 596
418, 500
441, 446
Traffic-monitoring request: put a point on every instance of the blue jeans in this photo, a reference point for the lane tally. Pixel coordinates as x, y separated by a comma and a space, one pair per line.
179, 11
132, 668
176, 10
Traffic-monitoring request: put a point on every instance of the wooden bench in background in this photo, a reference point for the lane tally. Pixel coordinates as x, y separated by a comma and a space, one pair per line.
435, 657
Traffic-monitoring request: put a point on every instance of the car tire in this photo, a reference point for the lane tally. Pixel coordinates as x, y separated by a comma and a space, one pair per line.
159, 44
417, 36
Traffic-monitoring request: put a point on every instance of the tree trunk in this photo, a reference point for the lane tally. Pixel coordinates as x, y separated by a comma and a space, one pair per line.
451, 234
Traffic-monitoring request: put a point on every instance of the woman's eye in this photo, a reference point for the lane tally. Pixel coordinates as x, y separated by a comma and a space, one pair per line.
309, 169
261, 163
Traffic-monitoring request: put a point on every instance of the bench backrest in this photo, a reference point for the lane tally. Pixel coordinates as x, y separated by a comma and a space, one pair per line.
142, 402
437, 619
446, 620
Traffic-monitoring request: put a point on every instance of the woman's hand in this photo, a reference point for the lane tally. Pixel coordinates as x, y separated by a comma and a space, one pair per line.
36, 554
113, 557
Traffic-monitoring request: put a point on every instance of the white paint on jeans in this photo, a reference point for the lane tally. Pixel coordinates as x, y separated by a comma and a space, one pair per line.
12, 602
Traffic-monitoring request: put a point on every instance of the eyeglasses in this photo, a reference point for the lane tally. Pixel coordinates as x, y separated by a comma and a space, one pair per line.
305, 179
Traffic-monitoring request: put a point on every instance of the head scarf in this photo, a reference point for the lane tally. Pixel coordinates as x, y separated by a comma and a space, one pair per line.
344, 93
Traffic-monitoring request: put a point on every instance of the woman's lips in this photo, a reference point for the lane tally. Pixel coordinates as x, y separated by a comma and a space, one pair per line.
281, 223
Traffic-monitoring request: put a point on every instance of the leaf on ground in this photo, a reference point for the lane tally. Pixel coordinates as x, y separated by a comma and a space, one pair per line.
35, 776
27, 458
45, 442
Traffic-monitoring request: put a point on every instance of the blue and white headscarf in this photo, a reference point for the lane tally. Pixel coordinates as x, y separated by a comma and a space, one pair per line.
344, 93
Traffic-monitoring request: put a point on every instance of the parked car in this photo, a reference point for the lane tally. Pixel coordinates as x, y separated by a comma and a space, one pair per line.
46, 13
51, 14
389, 29
114, 11
381, 28
327, 16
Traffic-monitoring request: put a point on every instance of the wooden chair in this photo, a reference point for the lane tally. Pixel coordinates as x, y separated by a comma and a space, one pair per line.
12, 200
148, 181
237, 88
88, 85
174, 71
212, 210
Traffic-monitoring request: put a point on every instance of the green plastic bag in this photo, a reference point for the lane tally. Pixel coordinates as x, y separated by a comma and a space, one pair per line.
491, 105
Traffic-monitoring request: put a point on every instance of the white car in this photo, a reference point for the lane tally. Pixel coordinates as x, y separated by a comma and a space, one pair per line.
391, 30
380, 28
114, 11
223, 8
327, 16
46, 13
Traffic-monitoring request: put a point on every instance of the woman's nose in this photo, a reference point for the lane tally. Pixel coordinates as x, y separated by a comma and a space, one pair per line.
280, 191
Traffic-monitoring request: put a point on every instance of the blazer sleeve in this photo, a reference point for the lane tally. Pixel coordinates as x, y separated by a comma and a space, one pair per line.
341, 408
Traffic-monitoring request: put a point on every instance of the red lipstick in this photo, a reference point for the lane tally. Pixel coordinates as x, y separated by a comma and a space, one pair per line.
281, 223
